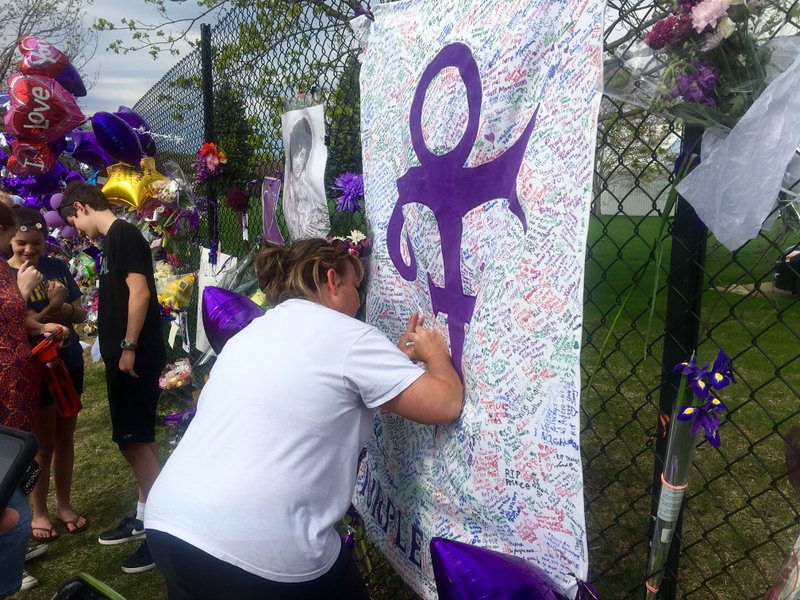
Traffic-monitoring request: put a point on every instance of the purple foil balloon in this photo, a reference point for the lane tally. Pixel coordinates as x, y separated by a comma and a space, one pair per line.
46, 183
142, 127
466, 572
132, 118
148, 144
58, 146
225, 314
117, 138
32, 201
86, 149
74, 176
71, 81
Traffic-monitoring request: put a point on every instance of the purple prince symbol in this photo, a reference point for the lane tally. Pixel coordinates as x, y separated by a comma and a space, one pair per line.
451, 190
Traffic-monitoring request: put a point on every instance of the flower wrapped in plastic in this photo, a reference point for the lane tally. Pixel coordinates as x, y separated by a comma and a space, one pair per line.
84, 270
91, 304
723, 65
177, 404
174, 214
699, 411
704, 62
177, 376
176, 294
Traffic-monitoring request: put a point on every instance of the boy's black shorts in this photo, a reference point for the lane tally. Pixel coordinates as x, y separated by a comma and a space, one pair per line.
133, 404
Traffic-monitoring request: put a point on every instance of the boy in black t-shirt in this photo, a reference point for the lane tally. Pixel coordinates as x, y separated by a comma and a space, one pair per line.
131, 344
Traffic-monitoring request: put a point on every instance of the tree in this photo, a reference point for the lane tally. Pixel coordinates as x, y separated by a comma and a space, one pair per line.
166, 34
634, 143
59, 22
234, 137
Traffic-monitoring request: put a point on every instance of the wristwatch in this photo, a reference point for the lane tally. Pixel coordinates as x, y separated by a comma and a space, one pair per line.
126, 345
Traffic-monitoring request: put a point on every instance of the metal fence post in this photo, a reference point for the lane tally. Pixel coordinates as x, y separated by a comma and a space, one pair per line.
209, 134
682, 328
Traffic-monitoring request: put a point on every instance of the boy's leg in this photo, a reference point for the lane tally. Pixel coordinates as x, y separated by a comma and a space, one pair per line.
143, 459
132, 402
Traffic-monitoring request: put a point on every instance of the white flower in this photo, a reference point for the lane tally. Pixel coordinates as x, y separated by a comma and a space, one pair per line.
356, 236
724, 30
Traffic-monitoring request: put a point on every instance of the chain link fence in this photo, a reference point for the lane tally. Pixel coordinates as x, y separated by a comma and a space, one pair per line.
740, 514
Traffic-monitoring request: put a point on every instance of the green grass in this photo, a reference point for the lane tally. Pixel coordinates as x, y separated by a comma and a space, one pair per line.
739, 516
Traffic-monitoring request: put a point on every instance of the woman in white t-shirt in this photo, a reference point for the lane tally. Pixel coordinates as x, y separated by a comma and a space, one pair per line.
246, 505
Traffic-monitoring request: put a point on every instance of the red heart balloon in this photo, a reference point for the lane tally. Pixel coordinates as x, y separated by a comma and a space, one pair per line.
30, 159
41, 109
40, 57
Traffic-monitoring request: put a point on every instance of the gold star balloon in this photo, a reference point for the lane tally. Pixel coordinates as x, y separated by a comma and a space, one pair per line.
132, 187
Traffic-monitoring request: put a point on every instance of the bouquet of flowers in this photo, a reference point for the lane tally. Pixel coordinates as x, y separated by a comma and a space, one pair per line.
177, 376
178, 398
714, 67
706, 62
174, 290
174, 213
209, 163
699, 412
91, 303
719, 64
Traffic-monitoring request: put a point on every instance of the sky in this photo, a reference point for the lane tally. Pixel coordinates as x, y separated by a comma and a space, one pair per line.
124, 78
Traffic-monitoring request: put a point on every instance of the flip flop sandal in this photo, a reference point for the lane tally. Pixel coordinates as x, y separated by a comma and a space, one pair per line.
72, 526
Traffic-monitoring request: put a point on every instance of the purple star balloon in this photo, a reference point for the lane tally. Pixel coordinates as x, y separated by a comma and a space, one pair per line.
225, 314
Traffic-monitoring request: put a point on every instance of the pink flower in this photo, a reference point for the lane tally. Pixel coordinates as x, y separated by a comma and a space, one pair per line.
709, 12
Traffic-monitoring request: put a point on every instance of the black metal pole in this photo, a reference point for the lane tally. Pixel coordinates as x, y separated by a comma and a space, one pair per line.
209, 135
682, 328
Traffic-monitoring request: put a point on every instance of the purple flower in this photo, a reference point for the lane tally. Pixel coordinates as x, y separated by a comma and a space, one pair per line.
695, 377
721, 374
238, 200
352, 187
702, 380
696, 85
706, 78
703, 416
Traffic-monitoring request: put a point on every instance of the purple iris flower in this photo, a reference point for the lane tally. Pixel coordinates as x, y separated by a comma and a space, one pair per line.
704, 416
695, 377
721, 374
702, 381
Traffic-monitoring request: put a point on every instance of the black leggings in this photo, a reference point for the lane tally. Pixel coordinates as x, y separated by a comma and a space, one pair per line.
192, 574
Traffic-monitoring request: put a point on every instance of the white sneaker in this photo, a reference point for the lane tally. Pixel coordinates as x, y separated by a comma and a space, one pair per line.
28, 581
35, 550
